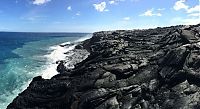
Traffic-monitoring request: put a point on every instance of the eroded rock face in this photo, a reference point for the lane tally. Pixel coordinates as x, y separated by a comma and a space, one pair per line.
126, 69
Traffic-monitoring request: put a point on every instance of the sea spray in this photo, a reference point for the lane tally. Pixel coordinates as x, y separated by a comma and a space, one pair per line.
65, 52
57, 54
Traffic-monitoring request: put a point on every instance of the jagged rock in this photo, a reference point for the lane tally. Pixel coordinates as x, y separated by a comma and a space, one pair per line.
189, 35
118, 68
66, 44
79, 47
153, 85
126, 69
111, 103
134, 67
61, 67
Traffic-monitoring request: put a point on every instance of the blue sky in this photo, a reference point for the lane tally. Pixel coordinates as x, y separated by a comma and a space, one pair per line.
95, 15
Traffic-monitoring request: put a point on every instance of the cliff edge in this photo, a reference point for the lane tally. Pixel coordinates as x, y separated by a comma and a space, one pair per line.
126, 69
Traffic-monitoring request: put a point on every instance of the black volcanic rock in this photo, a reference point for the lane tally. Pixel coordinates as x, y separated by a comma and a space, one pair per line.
126, 69
61, 67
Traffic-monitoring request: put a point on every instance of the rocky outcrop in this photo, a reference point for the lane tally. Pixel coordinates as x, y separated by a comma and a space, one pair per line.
126, 69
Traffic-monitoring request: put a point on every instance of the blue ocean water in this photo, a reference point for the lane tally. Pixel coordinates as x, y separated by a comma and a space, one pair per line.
26, 55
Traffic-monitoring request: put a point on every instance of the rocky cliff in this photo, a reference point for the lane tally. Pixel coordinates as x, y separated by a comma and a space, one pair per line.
126, 69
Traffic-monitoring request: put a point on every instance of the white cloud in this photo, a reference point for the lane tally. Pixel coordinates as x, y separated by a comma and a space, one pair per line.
100, 7
112, 2
193, 13
150, 13
69, 8
115, 1
194, 9
161, 9
40, 2
126, 18
180, 5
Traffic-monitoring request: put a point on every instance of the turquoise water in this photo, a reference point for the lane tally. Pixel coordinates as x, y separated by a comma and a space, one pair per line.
26, 60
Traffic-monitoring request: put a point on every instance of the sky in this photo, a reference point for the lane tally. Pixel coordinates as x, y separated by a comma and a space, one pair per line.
95, 15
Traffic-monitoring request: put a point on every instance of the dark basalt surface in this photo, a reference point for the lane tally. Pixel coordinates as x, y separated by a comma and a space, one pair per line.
126, 69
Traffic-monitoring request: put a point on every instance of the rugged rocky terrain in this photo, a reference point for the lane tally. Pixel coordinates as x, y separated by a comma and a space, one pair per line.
126, 69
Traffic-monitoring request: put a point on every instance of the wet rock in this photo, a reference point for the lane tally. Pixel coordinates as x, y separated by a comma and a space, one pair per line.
64, 45
61, 67
79, 47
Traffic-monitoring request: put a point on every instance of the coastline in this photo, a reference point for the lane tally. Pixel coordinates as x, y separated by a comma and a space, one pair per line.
125, 69
35, 56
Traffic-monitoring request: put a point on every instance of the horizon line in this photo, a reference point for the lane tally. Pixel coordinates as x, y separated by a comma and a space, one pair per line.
40, 32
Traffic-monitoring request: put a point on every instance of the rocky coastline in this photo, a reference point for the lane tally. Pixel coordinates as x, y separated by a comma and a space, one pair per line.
126, 69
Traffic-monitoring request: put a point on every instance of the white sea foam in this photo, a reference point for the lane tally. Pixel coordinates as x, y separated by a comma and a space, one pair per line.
58, 54
65, 43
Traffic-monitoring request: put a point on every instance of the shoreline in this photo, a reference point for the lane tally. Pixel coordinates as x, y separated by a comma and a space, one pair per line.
125, 69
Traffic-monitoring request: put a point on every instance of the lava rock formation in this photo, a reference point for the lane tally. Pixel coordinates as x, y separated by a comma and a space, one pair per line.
126, 69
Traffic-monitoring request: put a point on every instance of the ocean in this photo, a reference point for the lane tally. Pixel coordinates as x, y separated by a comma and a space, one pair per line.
26, 55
